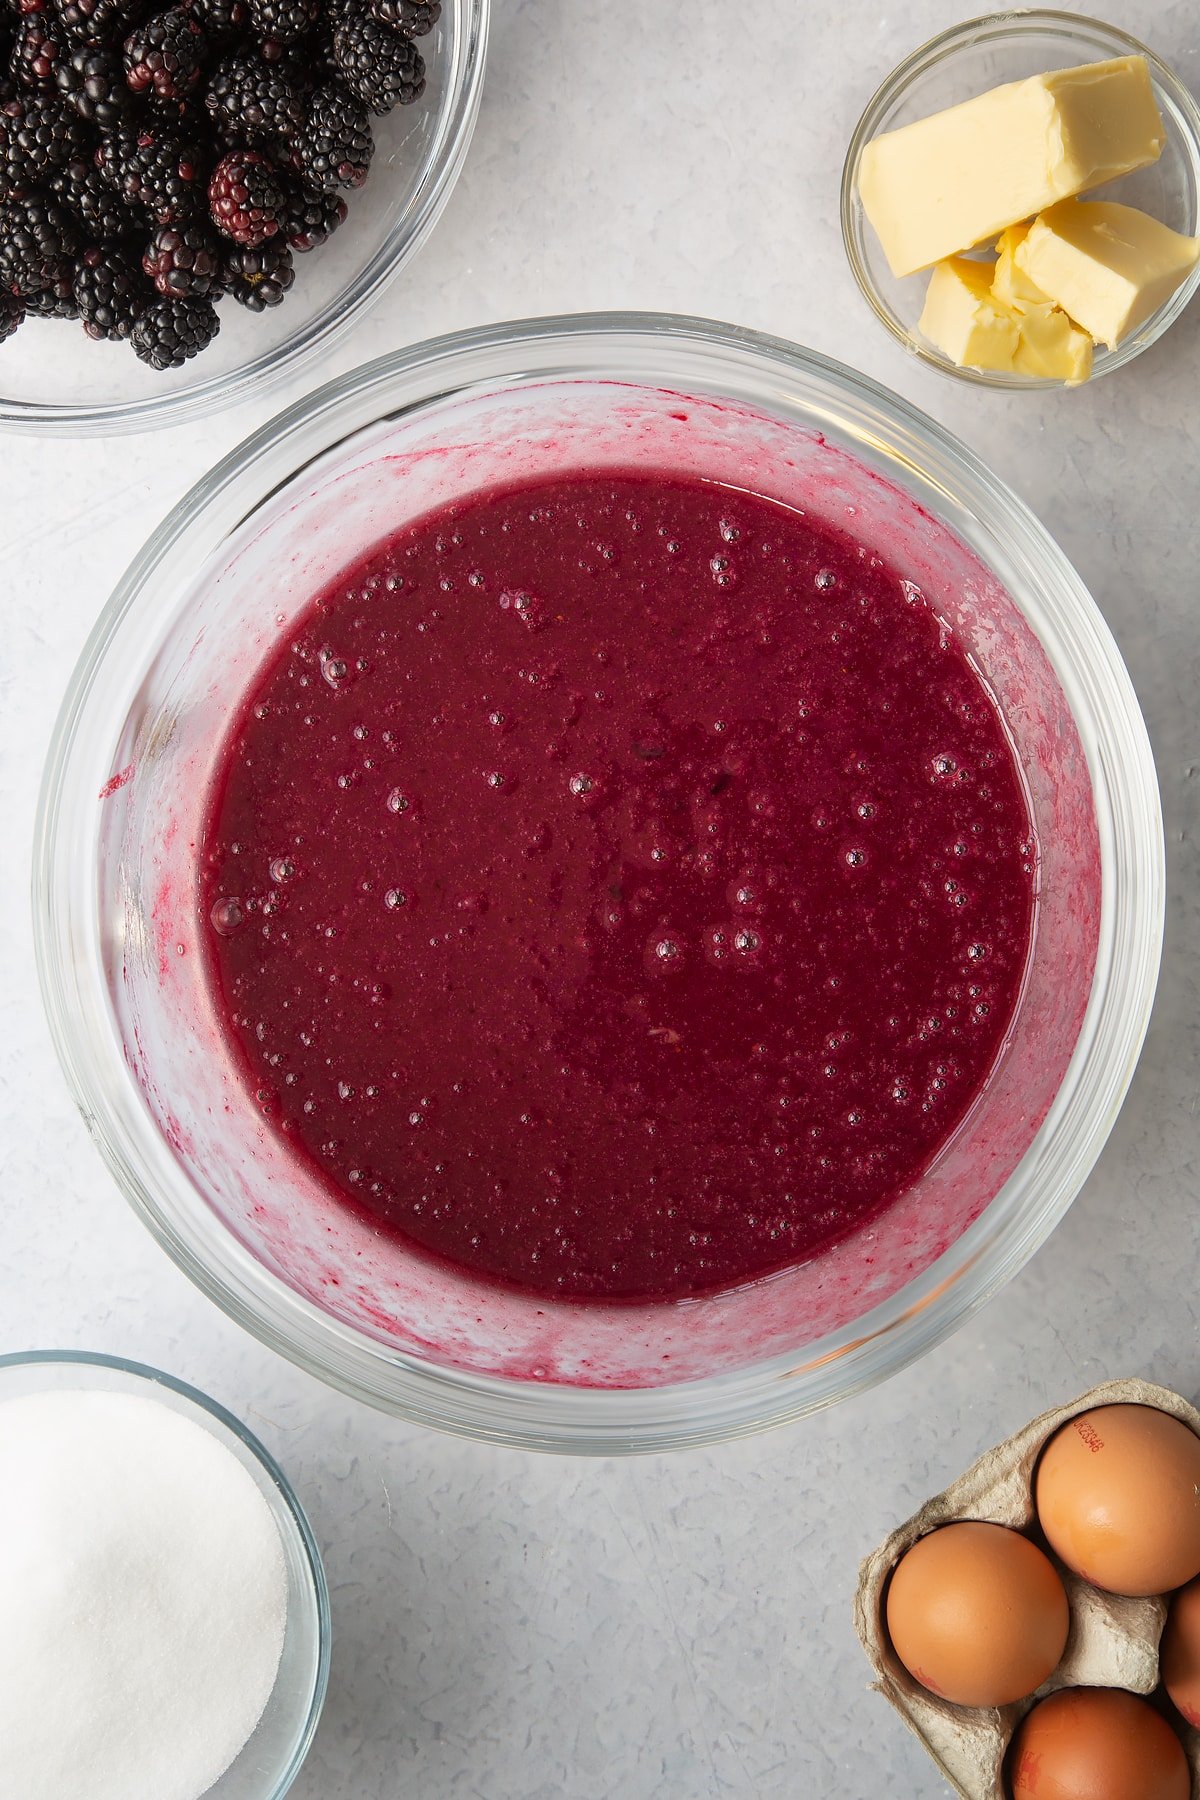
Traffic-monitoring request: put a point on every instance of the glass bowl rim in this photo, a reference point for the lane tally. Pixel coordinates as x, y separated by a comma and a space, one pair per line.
317, 1582
889, 1335
893, 87
216, 393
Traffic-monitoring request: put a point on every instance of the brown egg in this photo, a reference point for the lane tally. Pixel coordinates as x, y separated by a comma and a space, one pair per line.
1118, 1497
977, 1614
1097, 1744
1179, 1652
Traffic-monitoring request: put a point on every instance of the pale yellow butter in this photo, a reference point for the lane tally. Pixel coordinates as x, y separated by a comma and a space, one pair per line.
965, 321
1009, 283
1109, 266
959, 177
1049, 344
978, 329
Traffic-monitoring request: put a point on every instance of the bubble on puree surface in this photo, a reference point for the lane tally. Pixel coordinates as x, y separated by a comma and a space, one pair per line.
619, 885
144, 1601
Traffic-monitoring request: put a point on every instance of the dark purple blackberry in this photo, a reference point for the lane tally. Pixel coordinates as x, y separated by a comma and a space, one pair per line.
185, 119
164, 55
259, 277
39, 46
311, 217
184, 259
381, 68
283, 21
222, 21
103, 213
93, 80
252, 102
37, 237
110, 290
412, 18
171, 331
156, 171
38, 134
12, 314
246, 198
334, 147
56, 301
97, 21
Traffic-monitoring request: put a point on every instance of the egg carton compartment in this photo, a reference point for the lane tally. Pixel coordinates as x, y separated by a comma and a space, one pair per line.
1113, 1641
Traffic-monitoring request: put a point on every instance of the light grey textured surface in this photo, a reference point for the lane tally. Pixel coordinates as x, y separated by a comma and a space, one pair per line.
516, 1628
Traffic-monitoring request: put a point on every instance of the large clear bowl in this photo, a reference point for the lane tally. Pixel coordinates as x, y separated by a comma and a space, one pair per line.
55, 380
268, 1763
160, 682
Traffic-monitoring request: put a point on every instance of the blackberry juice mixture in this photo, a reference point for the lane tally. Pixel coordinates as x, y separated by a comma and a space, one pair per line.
620, 886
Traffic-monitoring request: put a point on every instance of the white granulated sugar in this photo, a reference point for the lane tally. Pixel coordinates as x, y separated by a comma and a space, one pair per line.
143, 1599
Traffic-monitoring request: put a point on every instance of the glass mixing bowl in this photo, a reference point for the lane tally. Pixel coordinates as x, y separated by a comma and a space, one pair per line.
54, 379
981, 54
268, 1763
160, 682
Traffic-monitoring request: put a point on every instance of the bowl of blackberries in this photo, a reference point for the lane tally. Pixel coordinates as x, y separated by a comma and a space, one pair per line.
196, 196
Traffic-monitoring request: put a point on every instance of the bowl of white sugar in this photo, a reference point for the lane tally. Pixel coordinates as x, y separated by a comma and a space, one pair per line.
166, 1620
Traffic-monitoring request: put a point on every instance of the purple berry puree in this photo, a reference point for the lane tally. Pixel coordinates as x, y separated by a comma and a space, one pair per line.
619, 885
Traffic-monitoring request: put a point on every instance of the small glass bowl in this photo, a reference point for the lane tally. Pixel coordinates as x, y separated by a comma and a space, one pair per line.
982, 54
271, 1759
54, 380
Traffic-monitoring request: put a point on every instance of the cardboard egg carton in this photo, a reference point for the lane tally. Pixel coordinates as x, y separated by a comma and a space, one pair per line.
1113, 1641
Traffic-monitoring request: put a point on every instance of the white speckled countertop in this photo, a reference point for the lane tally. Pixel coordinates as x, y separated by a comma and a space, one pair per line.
513, 1627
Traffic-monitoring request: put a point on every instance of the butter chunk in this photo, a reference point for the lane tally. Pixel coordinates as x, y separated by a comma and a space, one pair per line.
1010, 283
1051, 345
1108, 266
949, 182
964, 319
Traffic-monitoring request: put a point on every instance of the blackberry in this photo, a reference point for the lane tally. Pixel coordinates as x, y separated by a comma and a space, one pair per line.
282, 21
157, 171
222, 21
184, 118
97, 21
110, 291
246, 198
382, 69
334, 148
252, 102
171, 331
184, 259
38, 134
311, 217
164, 55
93, 80
38, 48
37, 237
103, 214
12, 314
412, 18
56, 301
261, 276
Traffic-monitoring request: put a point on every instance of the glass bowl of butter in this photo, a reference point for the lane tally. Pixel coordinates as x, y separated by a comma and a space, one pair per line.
1021, 200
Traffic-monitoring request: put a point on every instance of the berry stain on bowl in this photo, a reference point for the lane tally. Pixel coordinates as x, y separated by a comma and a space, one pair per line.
170, 187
